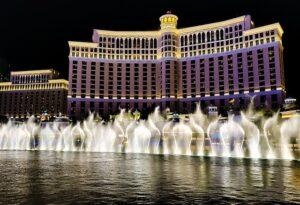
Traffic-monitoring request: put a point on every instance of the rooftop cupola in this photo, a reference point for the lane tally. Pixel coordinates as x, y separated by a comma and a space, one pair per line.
168, 21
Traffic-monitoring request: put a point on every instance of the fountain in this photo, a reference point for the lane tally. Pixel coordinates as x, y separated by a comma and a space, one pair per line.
247, 134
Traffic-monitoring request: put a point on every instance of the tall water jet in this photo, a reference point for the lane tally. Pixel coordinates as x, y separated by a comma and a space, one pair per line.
67, 141
155, 137
216, 142
17, 138
252, 136
168, 138
129, 133
120, 136
154, 124
107, 139
238, 136
271, 130
5, 132
198, 122
89, 140
232, 135
139, 142
182, 136
250, 112
78, 137
290, 134
199, 117
47, 139
198, 137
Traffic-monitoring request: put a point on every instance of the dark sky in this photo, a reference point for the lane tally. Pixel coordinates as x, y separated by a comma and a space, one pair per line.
34, 33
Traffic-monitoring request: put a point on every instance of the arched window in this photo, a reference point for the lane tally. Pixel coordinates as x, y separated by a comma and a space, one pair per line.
147, 43
181, 41
203, 37
199, 37
208, 36
222, 34
240, 27
129, 43
194, 39
217, 34
138, 43
151, 43
155, 43
118, 43
190, 39
121, 42
212, 34
109, 42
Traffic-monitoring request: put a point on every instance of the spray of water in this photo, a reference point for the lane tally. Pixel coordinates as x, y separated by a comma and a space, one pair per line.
246, 135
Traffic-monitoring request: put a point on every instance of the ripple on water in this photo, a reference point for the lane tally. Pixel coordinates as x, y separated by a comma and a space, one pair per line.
60, 178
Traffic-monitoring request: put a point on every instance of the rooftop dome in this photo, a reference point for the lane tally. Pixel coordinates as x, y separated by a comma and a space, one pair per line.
168, 21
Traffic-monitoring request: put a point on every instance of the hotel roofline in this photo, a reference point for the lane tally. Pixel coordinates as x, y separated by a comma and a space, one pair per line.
32, 72
274, 26
204, 27
250, 30
179, 31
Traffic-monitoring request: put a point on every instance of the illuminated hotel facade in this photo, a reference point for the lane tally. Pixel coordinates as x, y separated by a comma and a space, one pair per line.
33, 92
175, 68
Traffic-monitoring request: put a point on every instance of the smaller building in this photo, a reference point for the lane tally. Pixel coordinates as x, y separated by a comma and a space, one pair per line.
33, 92
290, 108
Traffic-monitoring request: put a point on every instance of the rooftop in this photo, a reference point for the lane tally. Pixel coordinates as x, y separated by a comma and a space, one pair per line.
33, 72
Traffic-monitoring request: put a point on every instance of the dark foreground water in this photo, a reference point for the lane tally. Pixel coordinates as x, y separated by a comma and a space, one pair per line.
85, 178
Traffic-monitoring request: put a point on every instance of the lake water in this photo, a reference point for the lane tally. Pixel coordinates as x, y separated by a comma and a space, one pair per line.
32, 177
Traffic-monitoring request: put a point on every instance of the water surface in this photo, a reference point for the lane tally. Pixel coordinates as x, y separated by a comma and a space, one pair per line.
36, 177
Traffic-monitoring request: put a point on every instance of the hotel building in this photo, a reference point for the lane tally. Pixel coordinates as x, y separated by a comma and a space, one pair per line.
33, 93
177, 67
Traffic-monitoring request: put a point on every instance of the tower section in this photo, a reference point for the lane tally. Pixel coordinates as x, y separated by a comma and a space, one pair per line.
168, 54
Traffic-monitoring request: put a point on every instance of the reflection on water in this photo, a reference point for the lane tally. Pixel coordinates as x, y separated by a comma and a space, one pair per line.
83, 178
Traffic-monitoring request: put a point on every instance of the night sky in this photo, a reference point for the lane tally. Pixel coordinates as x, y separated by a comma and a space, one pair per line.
34, 33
